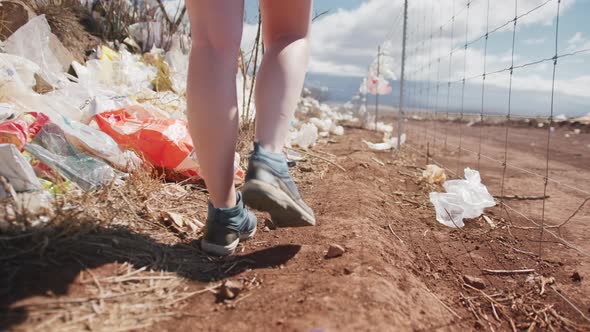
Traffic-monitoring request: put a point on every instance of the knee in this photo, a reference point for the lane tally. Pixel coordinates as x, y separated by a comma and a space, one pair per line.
300, 41
221, 44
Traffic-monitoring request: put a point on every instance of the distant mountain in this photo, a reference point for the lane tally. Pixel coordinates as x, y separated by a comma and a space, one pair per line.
340, 89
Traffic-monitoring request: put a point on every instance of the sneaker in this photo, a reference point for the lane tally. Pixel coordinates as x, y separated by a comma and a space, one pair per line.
269, 188
226, 227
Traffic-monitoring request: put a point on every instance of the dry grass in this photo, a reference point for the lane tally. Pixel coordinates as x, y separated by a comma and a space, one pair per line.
143, 260
70, 22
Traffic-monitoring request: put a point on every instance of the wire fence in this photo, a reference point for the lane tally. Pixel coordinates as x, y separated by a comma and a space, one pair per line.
480, 84
452, 111
476, 91
483, 144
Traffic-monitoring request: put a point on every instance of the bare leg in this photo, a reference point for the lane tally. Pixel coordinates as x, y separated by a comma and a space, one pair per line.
286, 26
269, 186
216, 30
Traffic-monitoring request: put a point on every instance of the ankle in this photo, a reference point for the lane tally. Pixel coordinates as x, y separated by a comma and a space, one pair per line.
270, 148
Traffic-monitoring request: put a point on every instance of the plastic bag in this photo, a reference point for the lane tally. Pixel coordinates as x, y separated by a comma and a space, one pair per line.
17, 170
16, 82
14, 132
165, 143
388, 143
474, 194
23, 129
463, 199
17, 75
323, 125
51, 147
306, 136
35, 42
87, 139
337, 130
127, 76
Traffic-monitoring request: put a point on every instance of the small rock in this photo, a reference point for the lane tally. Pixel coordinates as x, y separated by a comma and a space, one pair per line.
229, 290
474, 282
305, 169
335, 251
576, 277
266, 229
270, 224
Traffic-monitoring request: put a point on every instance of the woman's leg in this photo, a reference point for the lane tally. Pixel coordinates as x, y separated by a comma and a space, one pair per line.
286, 26
216, 30
269, 187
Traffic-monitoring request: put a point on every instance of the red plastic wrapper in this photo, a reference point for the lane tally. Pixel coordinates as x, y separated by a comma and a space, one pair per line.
165, 143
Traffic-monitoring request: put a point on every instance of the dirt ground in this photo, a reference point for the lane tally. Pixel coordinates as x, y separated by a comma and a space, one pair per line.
401, 270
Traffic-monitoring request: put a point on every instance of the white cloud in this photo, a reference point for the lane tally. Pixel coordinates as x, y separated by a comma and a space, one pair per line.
344, 42
578, 42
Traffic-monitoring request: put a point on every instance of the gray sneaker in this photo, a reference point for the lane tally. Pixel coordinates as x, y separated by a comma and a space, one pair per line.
269, 188
226, 227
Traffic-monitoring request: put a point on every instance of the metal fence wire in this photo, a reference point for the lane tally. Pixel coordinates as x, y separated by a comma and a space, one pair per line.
426, 100
455, 116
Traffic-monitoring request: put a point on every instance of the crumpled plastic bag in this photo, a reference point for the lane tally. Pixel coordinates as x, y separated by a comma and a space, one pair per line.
17, 75
52, 149
17, 170
17, 78
91, 140
306, 137
34, 41
127, 76
323, 125
165, 143
22, 130
463, 199
14, 132
388, 143
178, 62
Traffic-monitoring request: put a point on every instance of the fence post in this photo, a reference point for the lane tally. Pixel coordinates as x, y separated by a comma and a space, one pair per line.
400, 116
367, 90
377, 85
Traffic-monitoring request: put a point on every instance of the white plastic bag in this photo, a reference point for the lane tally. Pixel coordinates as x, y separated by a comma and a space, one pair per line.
306, 137
388, 143
463, 199
35, 42
17, 170
474, 194
449, 209
17, 75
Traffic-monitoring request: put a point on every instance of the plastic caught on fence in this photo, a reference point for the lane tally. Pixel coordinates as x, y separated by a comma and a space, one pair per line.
463, 199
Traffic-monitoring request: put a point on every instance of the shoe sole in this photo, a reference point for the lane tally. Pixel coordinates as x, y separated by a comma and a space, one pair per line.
219, 250
284, 211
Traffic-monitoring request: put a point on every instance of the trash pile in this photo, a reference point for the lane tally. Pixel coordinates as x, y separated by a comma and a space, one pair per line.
463, 198
96, 122
93, 123
314, 121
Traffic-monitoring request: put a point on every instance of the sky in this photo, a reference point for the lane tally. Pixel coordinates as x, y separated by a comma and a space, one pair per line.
344, 42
